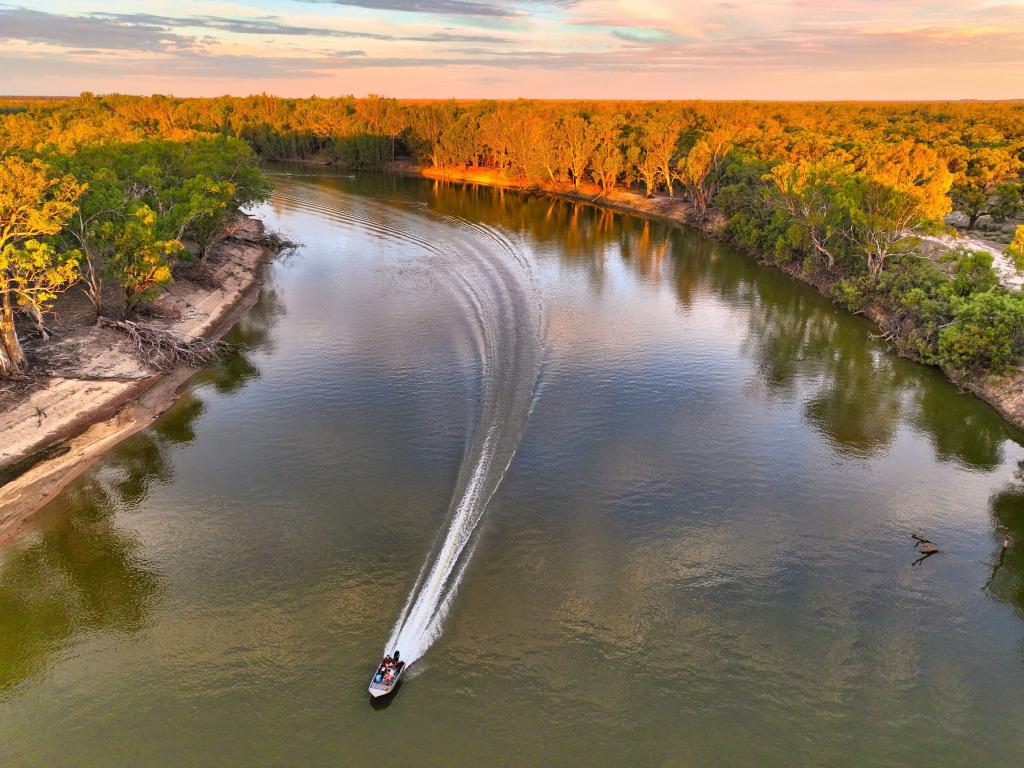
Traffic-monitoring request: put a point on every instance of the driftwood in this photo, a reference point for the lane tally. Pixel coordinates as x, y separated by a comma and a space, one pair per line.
276, 242
163, 350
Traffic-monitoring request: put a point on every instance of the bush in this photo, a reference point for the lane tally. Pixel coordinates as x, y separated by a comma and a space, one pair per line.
987, 333
915, 294
972, 272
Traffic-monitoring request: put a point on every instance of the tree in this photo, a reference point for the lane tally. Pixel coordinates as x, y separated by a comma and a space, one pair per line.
972, 272
1015, 250
141, 259
580, 138
33, 204
528, 151
700, 170
92, 227
204, 211
987, 333
881, 219
608, 160
988, 186
901, 192
808, 192
658, 139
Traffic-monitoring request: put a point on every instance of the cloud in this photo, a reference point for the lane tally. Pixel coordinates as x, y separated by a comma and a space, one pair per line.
151, 32
663, 42
646, 35
267, 25
451, 7
83, 31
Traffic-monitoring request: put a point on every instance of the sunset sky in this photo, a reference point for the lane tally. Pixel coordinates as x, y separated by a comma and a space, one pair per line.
772, 49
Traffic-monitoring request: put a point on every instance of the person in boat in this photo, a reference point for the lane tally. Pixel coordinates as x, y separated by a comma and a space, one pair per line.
385, 665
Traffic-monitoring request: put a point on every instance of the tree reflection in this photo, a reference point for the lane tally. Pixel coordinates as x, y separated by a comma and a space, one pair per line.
854, 392
959, 427
251, 334
1006, 582
80, 574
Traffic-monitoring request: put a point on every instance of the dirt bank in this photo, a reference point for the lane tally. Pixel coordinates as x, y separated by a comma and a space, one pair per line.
1004, 393
89, 390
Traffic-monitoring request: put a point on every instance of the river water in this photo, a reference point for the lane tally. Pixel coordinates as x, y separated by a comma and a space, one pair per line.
625, 498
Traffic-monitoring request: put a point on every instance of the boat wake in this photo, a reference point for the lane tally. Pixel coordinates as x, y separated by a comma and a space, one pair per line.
495, 287
499, 294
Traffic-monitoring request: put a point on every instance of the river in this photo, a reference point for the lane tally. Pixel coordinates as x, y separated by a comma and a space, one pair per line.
624, 497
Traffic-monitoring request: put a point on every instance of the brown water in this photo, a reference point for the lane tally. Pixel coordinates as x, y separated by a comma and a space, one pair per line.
700, 553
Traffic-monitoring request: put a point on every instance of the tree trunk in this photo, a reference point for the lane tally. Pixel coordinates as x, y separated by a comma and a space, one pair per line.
12, 357
6, 366
93, 284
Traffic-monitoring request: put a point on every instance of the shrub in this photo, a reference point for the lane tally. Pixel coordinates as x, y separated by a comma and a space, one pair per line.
987, 333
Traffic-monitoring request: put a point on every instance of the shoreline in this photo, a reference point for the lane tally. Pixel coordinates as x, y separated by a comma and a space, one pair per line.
91, 414
1005, 393
62, 428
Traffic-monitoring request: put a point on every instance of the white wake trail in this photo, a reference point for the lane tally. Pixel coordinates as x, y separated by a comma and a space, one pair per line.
498, 289
494, 283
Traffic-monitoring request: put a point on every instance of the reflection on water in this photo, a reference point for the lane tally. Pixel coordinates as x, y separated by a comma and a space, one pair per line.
853, 392
250, 335
709, 514
80, 573
1006, 582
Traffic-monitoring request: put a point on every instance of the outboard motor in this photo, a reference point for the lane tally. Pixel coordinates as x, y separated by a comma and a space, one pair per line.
396, 656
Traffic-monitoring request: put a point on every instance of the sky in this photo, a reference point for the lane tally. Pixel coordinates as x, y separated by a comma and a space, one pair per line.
610, 49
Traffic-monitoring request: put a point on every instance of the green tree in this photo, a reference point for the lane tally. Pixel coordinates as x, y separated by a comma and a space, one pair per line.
989, 186
986, 334
809, 193
34, 203
141, 259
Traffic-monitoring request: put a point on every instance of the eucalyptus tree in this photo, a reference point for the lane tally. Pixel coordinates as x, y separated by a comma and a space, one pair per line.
34, 205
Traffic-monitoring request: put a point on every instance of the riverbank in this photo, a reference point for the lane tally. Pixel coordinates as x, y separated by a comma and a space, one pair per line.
89, 390
1005, 393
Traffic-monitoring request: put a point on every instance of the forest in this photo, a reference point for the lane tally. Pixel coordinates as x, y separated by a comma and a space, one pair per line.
99, 190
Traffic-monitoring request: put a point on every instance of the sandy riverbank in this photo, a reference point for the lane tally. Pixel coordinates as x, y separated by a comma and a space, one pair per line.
91, 391
1004, 393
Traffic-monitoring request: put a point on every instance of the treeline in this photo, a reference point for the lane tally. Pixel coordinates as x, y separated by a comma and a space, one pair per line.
113, 217
838, 192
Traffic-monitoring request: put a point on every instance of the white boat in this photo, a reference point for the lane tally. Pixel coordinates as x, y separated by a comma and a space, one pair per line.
385, 678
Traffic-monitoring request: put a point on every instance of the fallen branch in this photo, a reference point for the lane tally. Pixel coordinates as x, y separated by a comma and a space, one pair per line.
277, 242
924, 546
163, 350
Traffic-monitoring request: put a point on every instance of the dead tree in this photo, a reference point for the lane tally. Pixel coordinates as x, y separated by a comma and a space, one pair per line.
163, 350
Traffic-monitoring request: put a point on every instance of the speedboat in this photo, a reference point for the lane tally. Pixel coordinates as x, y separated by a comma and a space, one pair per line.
386, 676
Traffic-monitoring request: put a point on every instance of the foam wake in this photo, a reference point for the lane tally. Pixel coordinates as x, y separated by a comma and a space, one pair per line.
500, 297
494, 284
